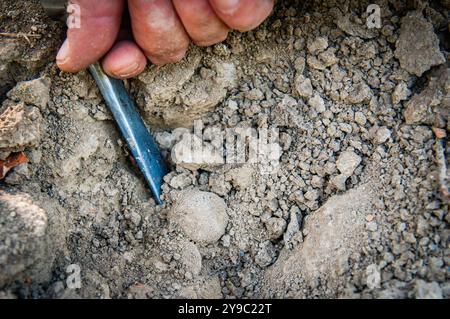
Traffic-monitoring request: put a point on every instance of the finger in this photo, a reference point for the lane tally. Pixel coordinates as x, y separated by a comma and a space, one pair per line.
158, 30
125, 60
201, 22
97, 31
242, 15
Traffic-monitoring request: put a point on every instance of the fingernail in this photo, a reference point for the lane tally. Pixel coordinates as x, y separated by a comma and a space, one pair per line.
63, 53
128, 70
227, 6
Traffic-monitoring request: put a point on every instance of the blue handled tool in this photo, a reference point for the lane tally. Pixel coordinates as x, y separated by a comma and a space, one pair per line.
141, 143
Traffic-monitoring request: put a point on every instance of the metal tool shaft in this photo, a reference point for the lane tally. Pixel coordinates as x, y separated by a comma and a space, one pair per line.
141, 143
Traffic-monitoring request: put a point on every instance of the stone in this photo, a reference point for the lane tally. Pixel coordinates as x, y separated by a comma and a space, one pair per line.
401, 93
276, 227
293, 227
317, 103
303, 86
35, 92
191, 258
219, 185
328, 57
338, 182
165, 139
417, 47
433, 100
382, 135
347, 162
312, 195
20, 126
318, 45
360, 118
254, 95
201, 215
265, 254
361, 94
426, 290
180, 181
241, 177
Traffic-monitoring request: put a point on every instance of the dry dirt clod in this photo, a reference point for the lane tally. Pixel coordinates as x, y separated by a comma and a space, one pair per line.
20, 126
202, 216
347, 162
35, 92
417, 47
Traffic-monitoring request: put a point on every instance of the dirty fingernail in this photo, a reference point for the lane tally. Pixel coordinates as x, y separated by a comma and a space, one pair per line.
129, 70
63, 53
227, 6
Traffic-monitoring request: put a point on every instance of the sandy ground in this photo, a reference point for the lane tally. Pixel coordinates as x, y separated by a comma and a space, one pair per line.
351, 201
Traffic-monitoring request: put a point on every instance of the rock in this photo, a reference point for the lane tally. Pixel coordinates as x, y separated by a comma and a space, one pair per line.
219, 185
293, 227
265, 254
299, 65
275, 226
176, 95
360, 118
328, 57
315, 63
338, 182
254, 95
192, 154
20, 126
285, 141
401, 93
382, 135
343, 22
241, 177
426, 290
226, 240
372, 226
347, 162
318, 45
361, 94
165, 139
35, 92
201, 215
303, 86
18, 175
312, 195
180, 181
431, 101
417, 47
317, 103
286, 112
191, 258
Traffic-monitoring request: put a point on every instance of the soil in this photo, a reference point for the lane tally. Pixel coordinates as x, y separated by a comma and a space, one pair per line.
358, 206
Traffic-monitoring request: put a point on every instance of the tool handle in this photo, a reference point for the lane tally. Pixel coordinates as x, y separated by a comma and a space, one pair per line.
141, 143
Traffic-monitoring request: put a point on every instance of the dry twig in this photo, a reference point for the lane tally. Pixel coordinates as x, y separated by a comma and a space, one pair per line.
19, 35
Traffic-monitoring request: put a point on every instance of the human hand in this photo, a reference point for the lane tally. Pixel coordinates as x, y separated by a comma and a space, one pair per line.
161, 31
